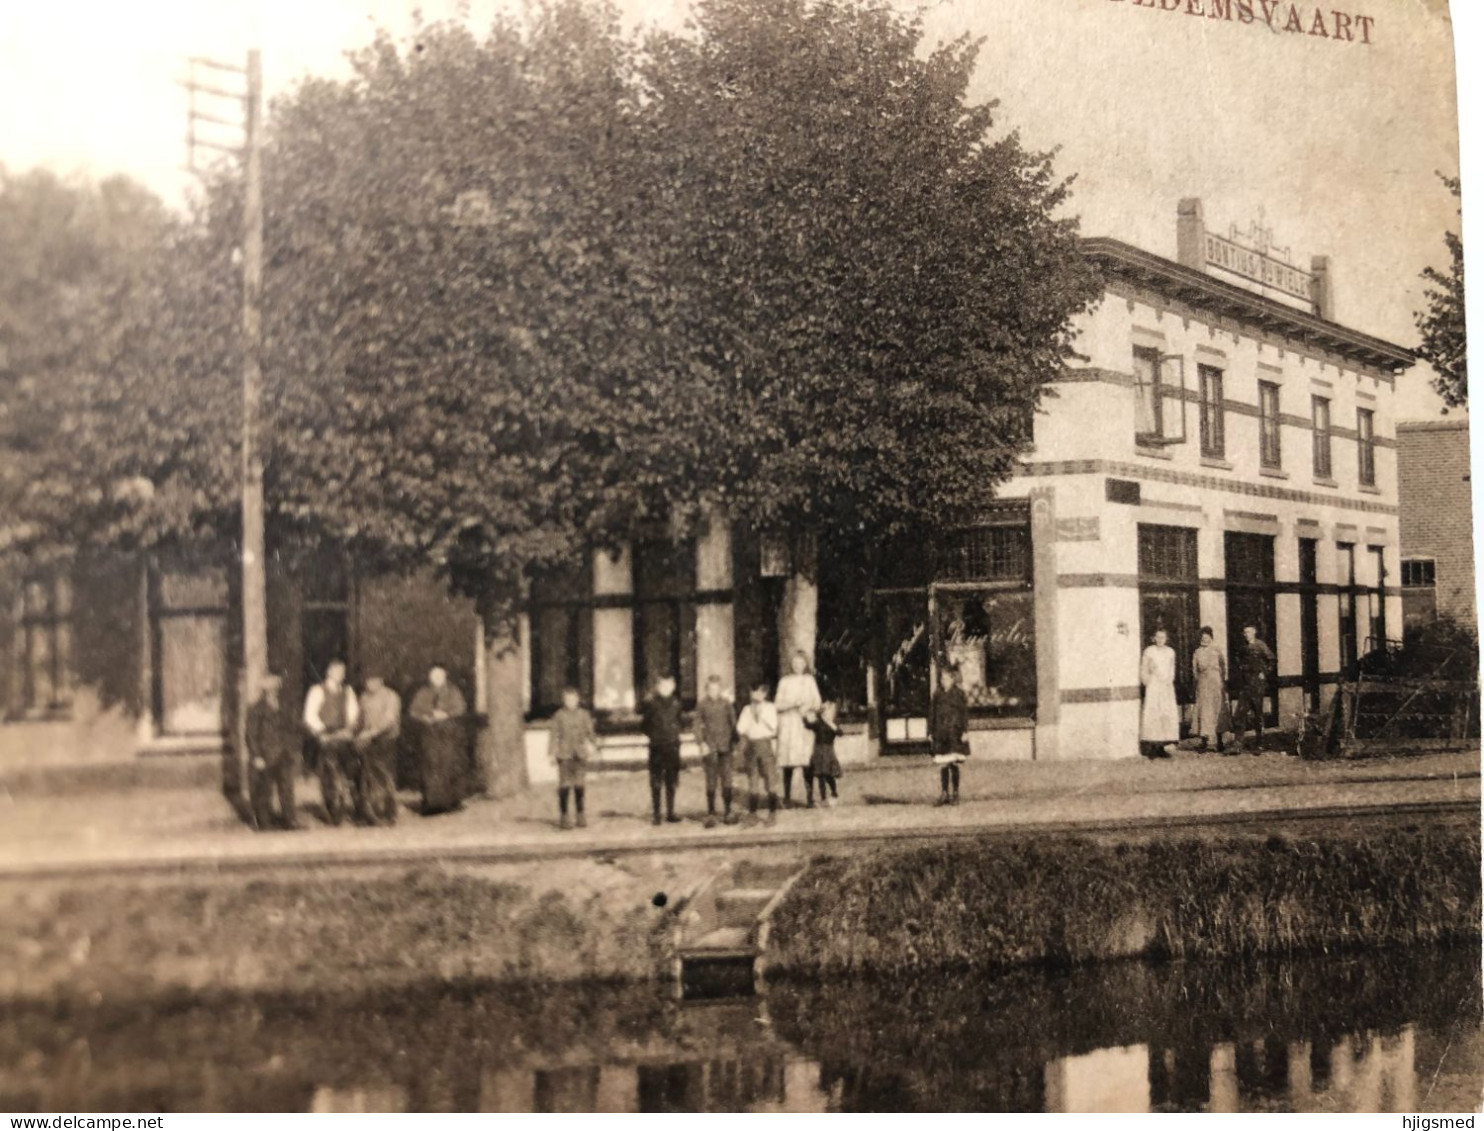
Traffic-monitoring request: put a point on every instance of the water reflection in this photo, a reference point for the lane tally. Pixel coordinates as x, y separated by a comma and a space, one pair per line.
1388, 1032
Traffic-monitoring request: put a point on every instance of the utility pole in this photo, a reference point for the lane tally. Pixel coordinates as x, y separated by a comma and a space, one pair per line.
248, 149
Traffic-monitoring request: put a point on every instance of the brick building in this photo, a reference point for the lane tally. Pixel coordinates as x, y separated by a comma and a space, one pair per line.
1437, 522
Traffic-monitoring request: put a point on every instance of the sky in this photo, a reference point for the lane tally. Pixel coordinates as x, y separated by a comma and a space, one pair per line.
1334, 145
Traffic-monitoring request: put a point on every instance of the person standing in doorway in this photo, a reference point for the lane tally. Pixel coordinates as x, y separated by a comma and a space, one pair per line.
272, 760
662, 724
1254, 662
1159, 722
796, 702
716, 730
1208, 664
947, 730
758, 728
331, 715
376, 743
574, 741
438, 708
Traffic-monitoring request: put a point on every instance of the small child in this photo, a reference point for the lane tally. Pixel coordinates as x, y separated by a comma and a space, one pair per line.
573, 742
949, 723
758, 726
824, 766
716, 724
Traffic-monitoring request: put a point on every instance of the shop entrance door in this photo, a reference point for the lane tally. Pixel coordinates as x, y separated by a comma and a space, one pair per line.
1251, 599
1309, 620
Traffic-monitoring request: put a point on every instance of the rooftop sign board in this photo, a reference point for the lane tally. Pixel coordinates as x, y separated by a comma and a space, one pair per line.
1254, 265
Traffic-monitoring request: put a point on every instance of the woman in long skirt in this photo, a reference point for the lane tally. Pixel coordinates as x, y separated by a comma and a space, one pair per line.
1159, 724
1209, 665
797, 699
438, 710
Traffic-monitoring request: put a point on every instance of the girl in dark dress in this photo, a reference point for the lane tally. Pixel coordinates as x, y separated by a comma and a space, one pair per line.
824, 766
946, 729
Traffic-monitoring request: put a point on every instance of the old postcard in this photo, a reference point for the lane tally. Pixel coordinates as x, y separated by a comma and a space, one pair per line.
735, 556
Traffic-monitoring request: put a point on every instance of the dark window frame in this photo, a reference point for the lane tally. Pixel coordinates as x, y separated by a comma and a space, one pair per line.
1324, 464
1156, 395
1270, 424
54, 622
1419, 573
1213, 411
1365, 445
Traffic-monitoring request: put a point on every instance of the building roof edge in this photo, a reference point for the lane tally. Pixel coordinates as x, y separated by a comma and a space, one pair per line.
1203, 290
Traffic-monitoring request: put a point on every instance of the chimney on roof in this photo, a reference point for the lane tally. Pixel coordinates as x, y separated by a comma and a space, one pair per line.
1324, 287
1190, 234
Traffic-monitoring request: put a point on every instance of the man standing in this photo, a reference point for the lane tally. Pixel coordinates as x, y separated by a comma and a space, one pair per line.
272, 761
439, 708
1254, 662
330, 715
381, 724
662, 726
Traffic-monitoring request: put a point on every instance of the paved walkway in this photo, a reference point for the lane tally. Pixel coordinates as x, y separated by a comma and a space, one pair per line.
173, 829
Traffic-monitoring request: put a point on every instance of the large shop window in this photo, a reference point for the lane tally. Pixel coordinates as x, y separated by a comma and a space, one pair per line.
665, 615
44, 646
614, 646
326, 627
966, 603
561, 637
1169, 595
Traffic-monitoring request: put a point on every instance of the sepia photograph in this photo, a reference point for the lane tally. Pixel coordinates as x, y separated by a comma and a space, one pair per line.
728, 556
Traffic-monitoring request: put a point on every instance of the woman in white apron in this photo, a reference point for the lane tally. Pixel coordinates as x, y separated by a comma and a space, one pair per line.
797, 700
1159, 725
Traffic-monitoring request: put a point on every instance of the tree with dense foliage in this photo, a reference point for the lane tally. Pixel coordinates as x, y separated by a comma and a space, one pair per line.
1442, 324
526, 293
875, 284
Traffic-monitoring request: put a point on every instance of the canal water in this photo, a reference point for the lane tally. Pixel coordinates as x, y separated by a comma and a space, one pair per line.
1380, 1031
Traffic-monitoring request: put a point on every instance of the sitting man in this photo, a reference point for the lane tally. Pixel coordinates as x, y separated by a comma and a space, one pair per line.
330, 715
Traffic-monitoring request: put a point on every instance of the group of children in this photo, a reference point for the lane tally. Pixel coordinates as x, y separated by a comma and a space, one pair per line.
724, 735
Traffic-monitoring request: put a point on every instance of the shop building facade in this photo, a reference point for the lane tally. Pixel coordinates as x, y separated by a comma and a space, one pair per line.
1222, 453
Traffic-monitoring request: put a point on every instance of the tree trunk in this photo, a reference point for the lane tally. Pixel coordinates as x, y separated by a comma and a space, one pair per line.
798, 614
501, 744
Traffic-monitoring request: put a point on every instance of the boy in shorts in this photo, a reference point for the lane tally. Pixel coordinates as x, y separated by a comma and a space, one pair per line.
573, 742
716, 726
758, 726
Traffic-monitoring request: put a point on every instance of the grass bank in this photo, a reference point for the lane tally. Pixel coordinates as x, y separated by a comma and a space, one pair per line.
566, 921
1061, 902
